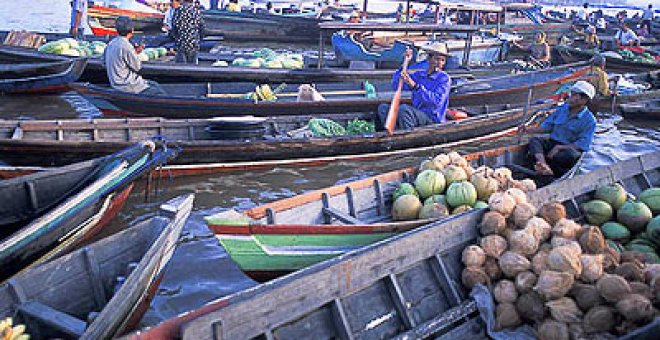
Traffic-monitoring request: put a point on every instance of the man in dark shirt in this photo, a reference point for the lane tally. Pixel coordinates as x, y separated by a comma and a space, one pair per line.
188, 29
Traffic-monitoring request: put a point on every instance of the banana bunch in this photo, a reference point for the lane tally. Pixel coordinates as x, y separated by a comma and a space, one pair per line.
7, 332
265, 93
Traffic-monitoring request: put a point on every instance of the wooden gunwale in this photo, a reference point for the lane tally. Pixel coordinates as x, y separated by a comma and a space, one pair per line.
45, 82
604, 104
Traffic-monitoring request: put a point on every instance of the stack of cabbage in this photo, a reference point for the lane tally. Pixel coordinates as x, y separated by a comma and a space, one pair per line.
267, 58
74, 48
152, 53
448, 184
322, 127
625, 221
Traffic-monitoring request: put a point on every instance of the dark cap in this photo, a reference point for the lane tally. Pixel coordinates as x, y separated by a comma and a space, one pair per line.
124, 25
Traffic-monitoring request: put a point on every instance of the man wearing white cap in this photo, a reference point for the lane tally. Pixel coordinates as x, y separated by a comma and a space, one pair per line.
571, 128
430, 88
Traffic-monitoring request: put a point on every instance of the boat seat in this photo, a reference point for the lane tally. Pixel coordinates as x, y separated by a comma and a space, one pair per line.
60, 321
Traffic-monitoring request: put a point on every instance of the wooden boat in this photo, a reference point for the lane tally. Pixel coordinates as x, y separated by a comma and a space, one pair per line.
604, 104
143, 21
46, 214
43, 77
407, 286
568, 54
283, 139
276, 238
208, 100
649, 109
102, 290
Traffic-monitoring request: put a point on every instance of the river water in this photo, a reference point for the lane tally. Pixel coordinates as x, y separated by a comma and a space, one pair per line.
201, 270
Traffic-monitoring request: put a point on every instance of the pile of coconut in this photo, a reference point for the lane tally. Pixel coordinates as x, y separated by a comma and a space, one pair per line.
561, 277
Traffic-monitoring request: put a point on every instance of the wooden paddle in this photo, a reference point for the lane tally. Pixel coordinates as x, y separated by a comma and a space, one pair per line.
393, 113
525, 116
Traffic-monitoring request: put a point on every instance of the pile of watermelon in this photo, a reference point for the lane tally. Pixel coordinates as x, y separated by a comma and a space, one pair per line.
267, 58
152, 53
74, 48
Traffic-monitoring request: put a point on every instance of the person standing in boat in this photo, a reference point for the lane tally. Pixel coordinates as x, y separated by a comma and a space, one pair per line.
169, 16
647, 19
79, 22
430, 87
571, 127
122, 63
188, 30
539, 51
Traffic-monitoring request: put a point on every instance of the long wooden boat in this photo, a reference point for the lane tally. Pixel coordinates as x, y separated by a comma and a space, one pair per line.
209, 100
648, 109
283, 138
604, 104
143, 21
568, 54
44, 77
102, 290
48, 213
276, 238
407, 286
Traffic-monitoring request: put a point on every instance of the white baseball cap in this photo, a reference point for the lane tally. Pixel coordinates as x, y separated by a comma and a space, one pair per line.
585, 88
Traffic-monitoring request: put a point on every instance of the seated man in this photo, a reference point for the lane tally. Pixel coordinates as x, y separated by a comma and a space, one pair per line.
430, 91
571, 128
626, 37
597, 76
122, 63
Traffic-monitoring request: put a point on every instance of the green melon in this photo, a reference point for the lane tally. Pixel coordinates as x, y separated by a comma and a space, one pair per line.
436, 199
653, 229
614, 194
480, 205
651, 197
615, 231
406, 208
597, 212
429, 183
461, 193
433, 210
404, 189
634, 215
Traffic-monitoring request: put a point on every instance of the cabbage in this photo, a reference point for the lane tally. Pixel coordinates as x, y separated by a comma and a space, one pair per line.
73, 43
254, 63
220, 63
71, 52
55, 47
240, 62
143, 56
162, 51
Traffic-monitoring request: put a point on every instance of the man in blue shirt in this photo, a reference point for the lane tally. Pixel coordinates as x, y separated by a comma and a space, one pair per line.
571, 128
430, 88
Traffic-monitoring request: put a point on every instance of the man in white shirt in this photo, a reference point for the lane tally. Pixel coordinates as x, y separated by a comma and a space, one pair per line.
582, 13
626, 37
647, 18
169, 15
79, 23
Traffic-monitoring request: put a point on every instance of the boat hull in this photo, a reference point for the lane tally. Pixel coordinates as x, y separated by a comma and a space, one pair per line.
40, 82
571, 55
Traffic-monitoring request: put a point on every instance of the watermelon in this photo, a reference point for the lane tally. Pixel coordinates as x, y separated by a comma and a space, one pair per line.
653, 229
651, 197
436, 199
597, 211
634, 215
480, 205
429, 183
461, 193
614, 194
615, 231
404, 189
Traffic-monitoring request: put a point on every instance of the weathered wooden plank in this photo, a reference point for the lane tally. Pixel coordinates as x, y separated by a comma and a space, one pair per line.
53, 318
341, 216
341, 321
350, 202
402, 306
95, 277
422, 292
319, 324
443, 321
379, 197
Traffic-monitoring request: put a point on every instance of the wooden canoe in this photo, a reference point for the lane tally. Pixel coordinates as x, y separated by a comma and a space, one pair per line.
193, 100
604, 104
408, 286
276, 238
44, 77
648, 109
568, 54
47, 214
57, 142
102, 290
143, 21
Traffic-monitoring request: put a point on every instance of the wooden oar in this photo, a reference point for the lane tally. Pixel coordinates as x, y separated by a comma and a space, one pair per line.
393, 113
525, 113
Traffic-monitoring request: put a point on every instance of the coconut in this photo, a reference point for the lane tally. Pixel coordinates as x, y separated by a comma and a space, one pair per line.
523, 242
503, 176
632, 256
651, 271
505, 292
485, 186
576, 330
517, 195
540, 262
613, 287
506, 316
433, 211
560, 242
502, 203
566, 228
484, 171
655, 288
522, 213
427, 164
565, 259
492, 269
494, 245
441, 161
540, 224
631, 271
455, 157
552, 212
406, 208
530, 306
553, 330
468, 170
492, 223
513, 263
612, 258
473, 256
472, 276
634, 215
554, 285
461, 209
599, 319
592, 241
635, 307
454, 173
564, 310
592, 267
429, 183
614, 194
525, 281
586, 296
642, 289
528, 185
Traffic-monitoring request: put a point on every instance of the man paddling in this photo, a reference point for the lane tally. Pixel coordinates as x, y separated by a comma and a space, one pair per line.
571, 128
430, 90
122, 63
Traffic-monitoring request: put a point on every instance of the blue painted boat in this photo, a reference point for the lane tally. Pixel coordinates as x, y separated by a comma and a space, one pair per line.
48, 213
40, 77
